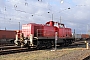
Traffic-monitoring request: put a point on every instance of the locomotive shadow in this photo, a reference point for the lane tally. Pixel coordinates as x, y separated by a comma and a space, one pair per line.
77, 44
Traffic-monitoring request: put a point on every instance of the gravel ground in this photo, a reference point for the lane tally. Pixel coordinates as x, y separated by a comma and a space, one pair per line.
75, 55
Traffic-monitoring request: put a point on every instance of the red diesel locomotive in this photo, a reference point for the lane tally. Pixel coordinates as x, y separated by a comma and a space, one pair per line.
43, 35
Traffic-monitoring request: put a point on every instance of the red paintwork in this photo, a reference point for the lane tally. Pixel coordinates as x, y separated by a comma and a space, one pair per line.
38, 29
31, 28
62, 33
68, 32
7, 34
27, 29
65, 33
51, 23
48, 30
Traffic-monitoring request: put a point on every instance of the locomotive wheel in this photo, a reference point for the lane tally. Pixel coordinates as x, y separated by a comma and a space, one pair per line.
27, 46
48, 45
66, 44
62, 44
39, 45
70, 41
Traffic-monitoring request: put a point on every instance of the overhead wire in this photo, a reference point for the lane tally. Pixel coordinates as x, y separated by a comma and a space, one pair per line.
32, 14
15, 6
40, 0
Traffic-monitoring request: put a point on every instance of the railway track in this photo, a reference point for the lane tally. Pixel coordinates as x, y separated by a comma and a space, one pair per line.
87, 58
12, 49
17, 49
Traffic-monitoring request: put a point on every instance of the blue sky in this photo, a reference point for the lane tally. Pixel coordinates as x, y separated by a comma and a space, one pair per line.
77, 17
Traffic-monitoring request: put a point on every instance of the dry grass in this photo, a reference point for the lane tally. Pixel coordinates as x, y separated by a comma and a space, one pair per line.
40, 54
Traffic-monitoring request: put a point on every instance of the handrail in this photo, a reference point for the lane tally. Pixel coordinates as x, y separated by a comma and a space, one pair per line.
41, 32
